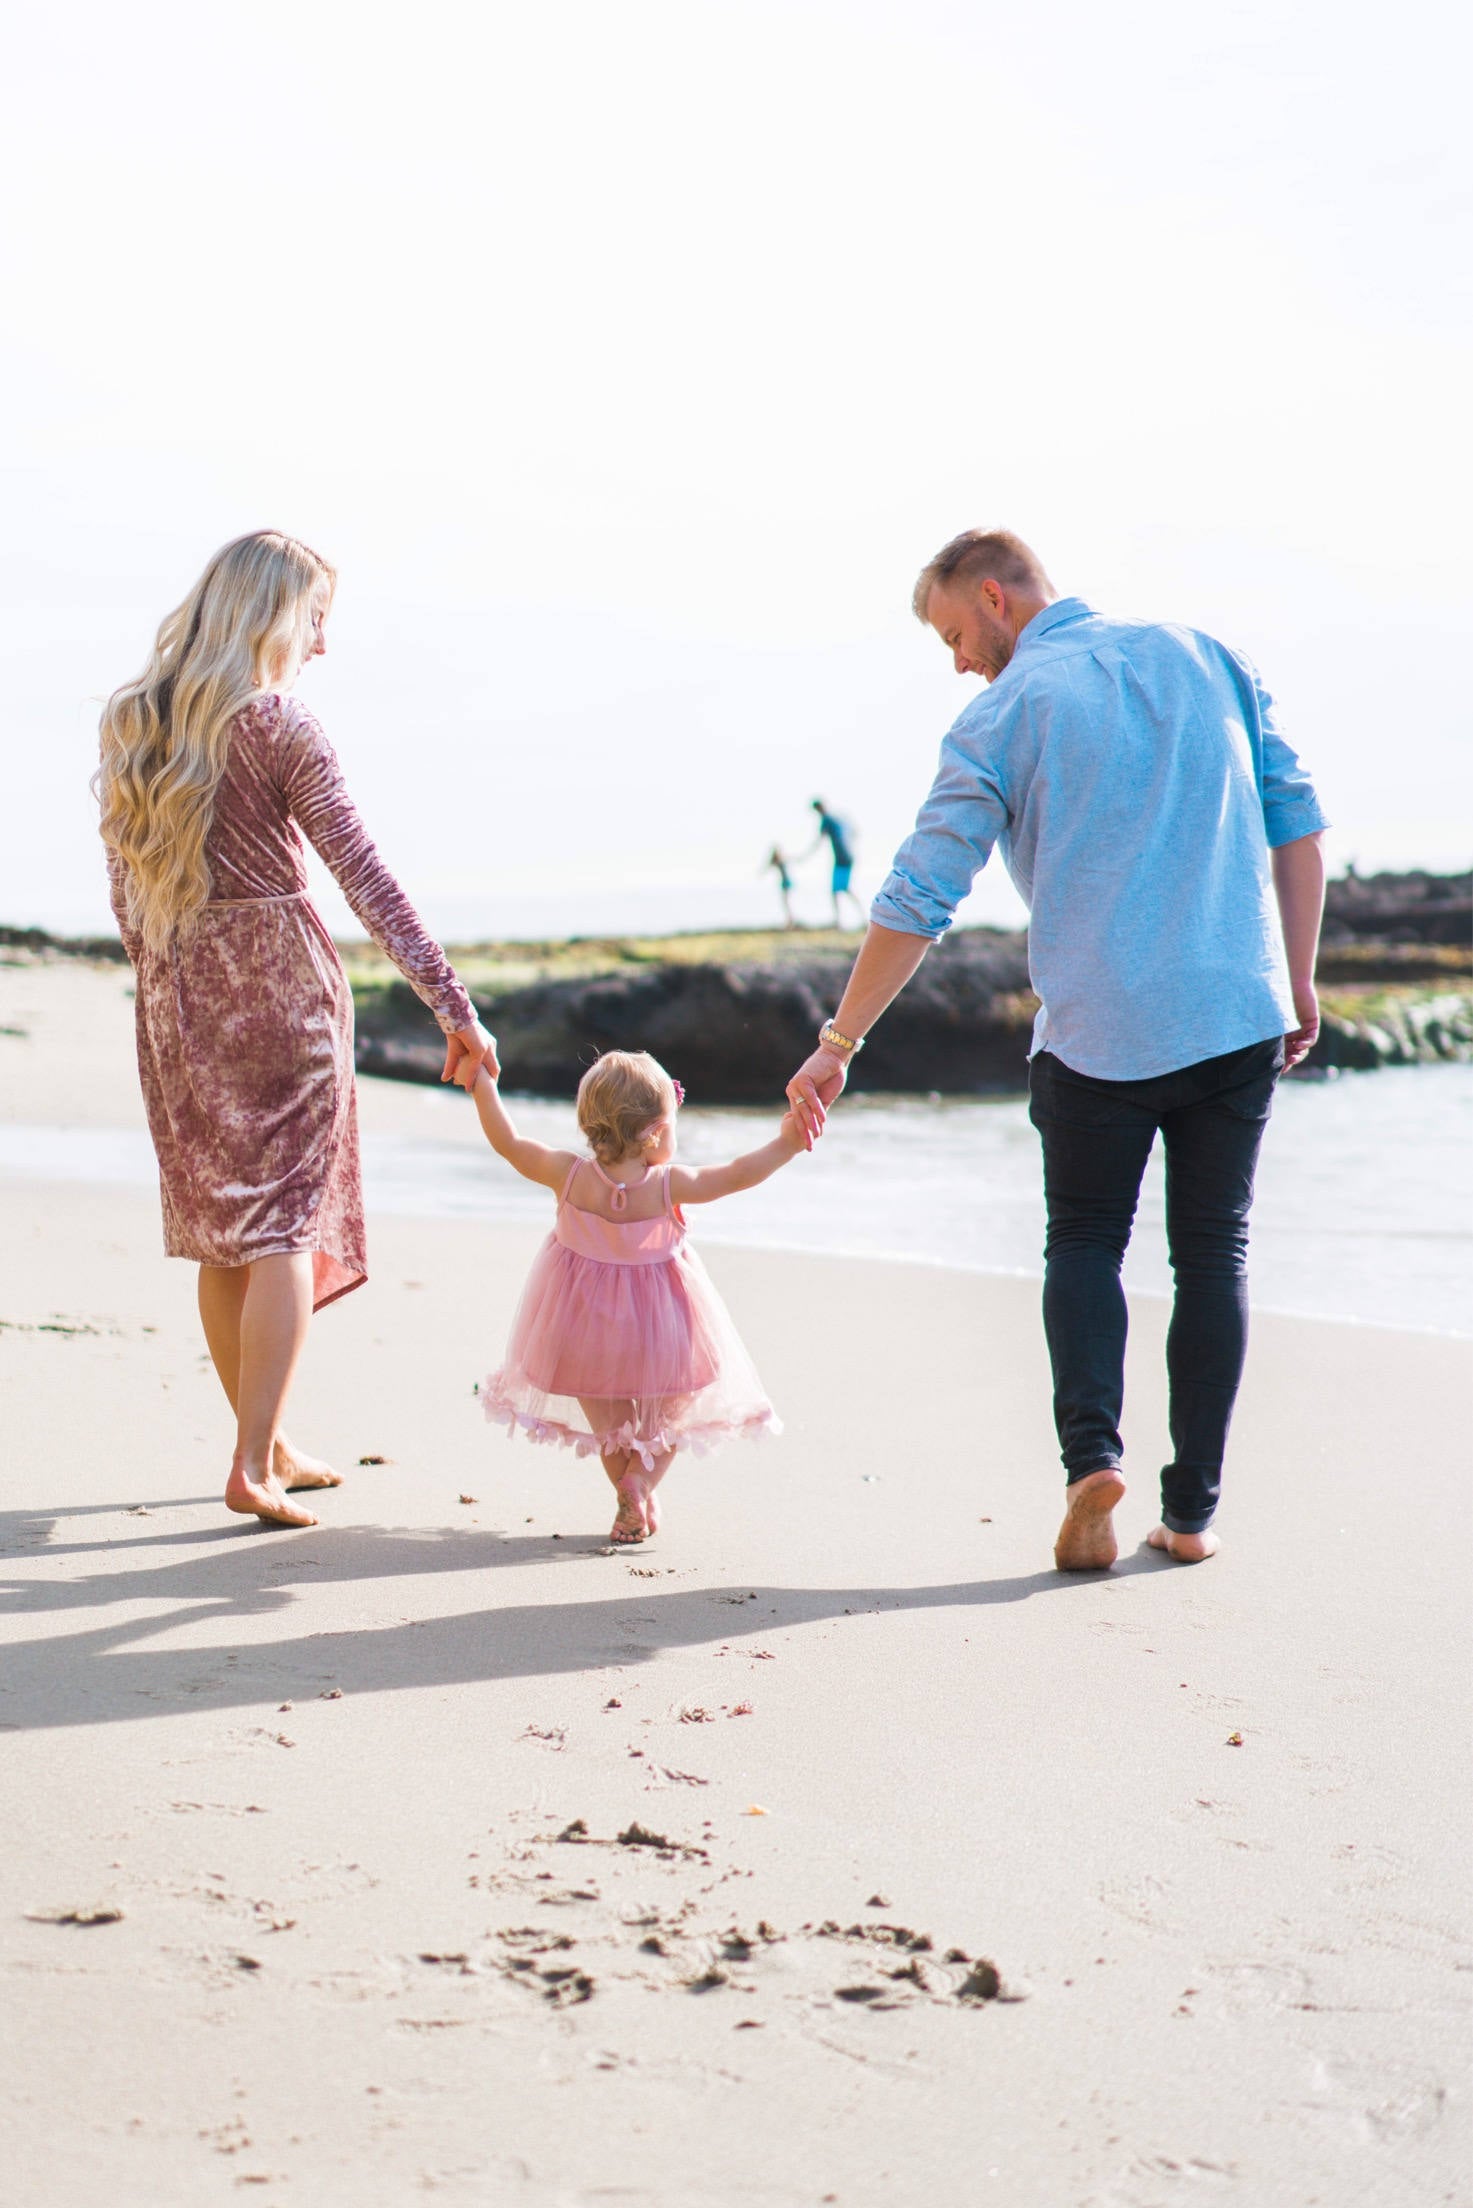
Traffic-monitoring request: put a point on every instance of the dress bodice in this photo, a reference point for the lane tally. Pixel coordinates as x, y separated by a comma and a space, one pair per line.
620, 1241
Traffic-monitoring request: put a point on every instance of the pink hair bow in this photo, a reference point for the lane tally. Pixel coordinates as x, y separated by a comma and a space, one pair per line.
679, 1088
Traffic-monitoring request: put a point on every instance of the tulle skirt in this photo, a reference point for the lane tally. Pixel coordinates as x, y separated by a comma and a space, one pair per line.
610, 1356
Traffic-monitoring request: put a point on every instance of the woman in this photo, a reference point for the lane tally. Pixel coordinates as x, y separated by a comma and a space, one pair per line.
244, 1017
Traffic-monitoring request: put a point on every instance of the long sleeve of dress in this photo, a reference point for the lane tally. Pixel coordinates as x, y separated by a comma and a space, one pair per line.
318, 797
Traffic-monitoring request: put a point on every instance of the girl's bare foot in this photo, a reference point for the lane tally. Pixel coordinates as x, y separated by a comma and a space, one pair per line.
1187, 1548
632, 1520
1086, 1540
265, 1498
295, 1469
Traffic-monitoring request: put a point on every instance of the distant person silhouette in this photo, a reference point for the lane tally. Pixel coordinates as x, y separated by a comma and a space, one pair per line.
833, 830
777, 863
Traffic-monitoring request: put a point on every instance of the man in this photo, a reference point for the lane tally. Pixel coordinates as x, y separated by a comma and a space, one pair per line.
1167, 843
832, 828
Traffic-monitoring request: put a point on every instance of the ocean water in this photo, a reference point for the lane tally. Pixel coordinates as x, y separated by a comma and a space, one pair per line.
1364, 1210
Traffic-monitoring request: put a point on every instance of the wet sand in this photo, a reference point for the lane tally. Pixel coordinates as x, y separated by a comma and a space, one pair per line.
419, 1850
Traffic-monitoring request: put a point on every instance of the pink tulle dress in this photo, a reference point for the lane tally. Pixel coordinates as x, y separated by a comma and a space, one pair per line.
620, 1340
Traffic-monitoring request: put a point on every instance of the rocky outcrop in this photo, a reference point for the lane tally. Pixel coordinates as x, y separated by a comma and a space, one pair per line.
1394, 966
1397, 1031
36, 943
735, 1032
1400, 908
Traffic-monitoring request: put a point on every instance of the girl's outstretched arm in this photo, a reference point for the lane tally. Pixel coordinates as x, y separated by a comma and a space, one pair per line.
533, 1160
702, 1184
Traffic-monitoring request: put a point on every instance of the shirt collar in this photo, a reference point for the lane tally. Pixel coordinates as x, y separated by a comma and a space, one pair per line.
1053, 617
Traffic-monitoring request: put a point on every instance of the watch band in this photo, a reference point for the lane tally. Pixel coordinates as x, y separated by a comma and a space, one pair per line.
829, 1034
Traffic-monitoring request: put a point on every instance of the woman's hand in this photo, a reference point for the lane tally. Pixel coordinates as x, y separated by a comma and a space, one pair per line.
466, 1051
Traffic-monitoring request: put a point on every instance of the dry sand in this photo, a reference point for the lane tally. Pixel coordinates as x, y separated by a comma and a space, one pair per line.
1209, 1824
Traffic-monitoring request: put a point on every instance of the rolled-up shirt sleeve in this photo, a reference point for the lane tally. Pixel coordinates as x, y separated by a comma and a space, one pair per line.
955, 830
1290, 806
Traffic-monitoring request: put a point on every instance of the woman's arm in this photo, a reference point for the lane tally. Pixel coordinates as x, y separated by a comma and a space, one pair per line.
320, 804
702, 1184
533, 1160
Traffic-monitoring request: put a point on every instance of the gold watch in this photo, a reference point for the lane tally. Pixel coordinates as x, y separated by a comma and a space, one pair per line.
830, 1037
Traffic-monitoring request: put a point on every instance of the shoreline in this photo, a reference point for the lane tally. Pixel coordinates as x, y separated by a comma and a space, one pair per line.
23, 1175
837, 1251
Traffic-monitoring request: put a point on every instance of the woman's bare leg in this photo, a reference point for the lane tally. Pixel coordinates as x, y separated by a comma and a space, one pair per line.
275, 1312
221, 1298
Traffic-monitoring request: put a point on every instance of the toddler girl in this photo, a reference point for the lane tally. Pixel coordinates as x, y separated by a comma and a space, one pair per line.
620, 1343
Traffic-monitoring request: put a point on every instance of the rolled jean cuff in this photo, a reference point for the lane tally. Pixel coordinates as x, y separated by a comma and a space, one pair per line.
1106, 1464
1173, 1524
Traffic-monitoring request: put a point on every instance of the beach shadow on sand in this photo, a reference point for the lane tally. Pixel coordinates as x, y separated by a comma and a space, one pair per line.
96, 1676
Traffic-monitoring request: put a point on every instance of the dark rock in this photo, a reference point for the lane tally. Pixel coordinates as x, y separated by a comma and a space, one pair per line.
1401, 908
734, 1034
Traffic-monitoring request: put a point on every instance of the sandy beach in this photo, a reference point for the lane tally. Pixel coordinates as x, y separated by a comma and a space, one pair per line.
834, 1848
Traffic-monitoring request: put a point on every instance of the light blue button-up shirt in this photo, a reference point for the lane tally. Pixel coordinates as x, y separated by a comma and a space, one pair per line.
1134, 778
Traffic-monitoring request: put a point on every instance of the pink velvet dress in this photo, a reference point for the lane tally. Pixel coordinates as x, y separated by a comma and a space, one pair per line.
245, 1030
620, 1340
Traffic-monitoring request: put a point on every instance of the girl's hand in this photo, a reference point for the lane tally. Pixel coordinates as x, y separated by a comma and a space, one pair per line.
790, 1134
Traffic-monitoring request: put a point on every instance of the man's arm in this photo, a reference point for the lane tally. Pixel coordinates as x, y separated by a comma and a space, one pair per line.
1299, 886
1294, 822
885, 964
934, 868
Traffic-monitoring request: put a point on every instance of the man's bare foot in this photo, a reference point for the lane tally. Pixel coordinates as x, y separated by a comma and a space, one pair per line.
632, 1522
263, 1498
294, 1468
1187, 1548
1086, 1540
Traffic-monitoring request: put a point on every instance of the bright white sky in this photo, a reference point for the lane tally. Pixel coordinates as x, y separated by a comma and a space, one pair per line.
628, 362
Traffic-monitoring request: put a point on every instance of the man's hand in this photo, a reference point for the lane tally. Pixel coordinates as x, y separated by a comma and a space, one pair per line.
466, 1051
1301, 1042
814, 1087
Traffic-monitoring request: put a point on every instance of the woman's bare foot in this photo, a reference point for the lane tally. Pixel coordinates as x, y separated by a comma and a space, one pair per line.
1187, 1548
294, 1468
632, 1521
1086, 1540
266, 1498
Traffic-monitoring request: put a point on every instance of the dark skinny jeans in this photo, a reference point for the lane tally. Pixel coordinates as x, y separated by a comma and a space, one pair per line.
1097, 1136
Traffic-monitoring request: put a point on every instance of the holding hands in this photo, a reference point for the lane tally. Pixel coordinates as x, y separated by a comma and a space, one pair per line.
466, 1051
817, 1084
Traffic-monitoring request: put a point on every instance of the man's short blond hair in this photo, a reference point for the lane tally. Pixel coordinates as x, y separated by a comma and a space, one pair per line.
980, 555
622, 1095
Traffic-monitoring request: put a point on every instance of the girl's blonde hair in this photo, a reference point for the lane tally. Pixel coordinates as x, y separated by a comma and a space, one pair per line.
166, 737
620, 1098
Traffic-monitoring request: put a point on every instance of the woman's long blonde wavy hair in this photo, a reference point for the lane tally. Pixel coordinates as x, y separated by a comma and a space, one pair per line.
166, 737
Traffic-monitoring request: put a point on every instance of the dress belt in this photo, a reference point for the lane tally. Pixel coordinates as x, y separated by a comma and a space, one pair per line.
282, 897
